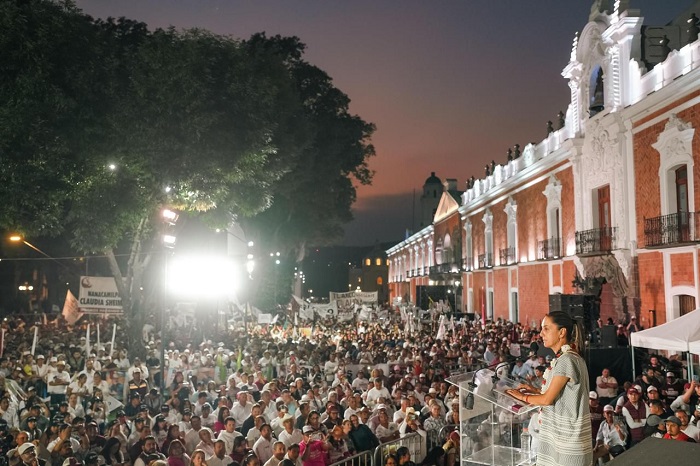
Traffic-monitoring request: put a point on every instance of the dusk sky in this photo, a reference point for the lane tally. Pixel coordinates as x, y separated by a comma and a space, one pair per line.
449, 84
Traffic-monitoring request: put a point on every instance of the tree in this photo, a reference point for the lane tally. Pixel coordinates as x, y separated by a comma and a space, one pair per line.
102, 123
313, 199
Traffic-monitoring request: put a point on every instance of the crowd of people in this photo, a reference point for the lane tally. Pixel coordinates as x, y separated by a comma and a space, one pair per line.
268, 396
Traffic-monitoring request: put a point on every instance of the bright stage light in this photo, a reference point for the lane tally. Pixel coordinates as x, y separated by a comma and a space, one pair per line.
203, 276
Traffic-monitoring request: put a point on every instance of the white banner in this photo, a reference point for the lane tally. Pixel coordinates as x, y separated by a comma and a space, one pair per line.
354, 297
71, 310
264, 318
99, 295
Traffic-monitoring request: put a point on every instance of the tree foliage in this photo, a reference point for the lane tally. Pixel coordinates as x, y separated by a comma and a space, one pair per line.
219, 127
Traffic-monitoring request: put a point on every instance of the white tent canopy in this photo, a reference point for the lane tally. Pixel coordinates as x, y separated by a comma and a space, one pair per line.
677, 335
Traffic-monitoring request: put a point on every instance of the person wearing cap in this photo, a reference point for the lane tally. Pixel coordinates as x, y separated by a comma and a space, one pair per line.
565, 422
58, 380
673, 430
596, 410
313, 447
289, 435
635, 413
208, 419
671, 388
28, 455
138, 384
686, 427
39, 372
606, 387
610, 438
521, 371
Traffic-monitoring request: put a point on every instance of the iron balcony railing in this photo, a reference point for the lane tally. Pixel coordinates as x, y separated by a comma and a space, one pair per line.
672, 229
549, 249
596, 241
507, 256
447, 267
485, 261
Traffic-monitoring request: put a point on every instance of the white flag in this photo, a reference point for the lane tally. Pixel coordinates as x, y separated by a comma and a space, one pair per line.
441, 329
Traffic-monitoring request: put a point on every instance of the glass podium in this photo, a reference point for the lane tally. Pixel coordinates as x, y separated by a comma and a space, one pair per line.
492, 422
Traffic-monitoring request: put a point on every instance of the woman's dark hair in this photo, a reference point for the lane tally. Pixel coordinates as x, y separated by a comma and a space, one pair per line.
287, 462
172, 427
106, 452
574, 332
224, 412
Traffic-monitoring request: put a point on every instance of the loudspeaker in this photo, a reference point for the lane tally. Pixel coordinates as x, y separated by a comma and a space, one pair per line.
608, 336
659, 451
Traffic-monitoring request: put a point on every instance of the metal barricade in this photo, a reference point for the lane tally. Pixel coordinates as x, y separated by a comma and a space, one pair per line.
365, 458
413, 441
438, 439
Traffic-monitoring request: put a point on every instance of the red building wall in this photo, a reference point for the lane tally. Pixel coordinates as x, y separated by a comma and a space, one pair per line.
501, 293
533, 291
682, 270
651, 284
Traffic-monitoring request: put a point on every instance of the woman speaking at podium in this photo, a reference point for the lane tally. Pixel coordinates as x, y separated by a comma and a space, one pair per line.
564, 417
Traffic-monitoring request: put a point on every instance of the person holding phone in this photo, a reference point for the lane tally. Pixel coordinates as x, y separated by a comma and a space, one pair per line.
313, 447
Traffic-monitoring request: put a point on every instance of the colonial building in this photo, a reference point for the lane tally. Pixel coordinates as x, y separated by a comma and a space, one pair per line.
605, 201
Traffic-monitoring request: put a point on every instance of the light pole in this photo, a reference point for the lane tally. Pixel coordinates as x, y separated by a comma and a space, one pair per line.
169, 239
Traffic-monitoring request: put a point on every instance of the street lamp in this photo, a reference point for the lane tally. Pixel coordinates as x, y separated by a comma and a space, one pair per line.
19, 239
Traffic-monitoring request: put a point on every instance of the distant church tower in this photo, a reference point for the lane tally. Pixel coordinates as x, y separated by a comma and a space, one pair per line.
432, 191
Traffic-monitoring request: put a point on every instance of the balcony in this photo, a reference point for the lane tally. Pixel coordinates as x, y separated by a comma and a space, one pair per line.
549, 249
447, 268
507, 256
596, 241
671, 230
485, 261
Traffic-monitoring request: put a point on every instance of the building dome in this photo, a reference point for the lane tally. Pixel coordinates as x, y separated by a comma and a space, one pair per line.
432, 179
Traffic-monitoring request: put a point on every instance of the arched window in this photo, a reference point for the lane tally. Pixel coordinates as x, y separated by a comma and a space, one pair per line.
378, 261
368, 262
380, 282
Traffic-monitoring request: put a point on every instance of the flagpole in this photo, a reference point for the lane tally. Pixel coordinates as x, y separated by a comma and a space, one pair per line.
114, 336
98, 336
2, 342
36, 337
87, 340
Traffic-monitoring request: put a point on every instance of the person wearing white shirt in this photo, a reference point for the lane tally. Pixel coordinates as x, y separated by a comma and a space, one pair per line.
278, 451
263, 446
192, 435
8, 413
360, 382
376, 392
219, 458
57, 382
687, 428
229, 434
241, 409
289, 435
